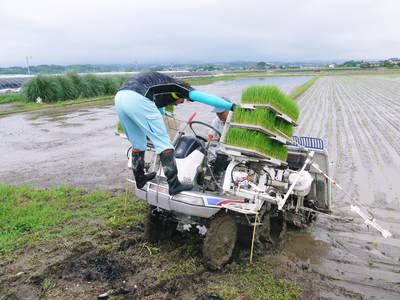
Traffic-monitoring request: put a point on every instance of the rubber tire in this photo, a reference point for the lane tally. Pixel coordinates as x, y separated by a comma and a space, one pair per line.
220, 241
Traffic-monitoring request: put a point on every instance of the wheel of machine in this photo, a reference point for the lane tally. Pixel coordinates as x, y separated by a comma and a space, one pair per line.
220, 241
156, 228
273, 226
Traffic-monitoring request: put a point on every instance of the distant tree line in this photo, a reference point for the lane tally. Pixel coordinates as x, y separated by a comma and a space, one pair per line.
352, 63
244, 65
387, 63
57, 69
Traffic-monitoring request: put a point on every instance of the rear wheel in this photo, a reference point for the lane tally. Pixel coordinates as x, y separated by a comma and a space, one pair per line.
220, 241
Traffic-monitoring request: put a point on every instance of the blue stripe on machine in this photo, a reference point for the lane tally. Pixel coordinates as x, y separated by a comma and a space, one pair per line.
214, 201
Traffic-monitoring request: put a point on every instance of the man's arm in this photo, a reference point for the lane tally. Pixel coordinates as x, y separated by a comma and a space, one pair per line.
210, 100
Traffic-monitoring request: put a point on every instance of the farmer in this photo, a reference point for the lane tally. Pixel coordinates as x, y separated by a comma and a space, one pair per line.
219, 121
139, 104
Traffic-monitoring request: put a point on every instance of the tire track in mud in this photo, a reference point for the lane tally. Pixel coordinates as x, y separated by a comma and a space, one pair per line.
380, 151
386, 106
320, 103
347, 155
384, 109
312, 112
357, 117
318, 116
387, 117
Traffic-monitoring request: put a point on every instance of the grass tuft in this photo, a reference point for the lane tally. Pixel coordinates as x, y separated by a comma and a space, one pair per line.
70, 86
45, 87
10, 97
254, 282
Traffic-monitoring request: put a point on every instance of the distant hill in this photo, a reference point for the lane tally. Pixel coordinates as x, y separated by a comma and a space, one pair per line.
53, 69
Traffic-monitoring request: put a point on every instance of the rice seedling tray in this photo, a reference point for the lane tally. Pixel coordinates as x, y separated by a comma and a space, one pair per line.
263, 130
239, 151
279, 114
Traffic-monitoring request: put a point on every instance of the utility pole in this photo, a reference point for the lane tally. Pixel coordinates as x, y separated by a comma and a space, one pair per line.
27, 64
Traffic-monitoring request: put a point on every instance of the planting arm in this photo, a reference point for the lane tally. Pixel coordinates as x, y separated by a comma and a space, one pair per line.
210, 100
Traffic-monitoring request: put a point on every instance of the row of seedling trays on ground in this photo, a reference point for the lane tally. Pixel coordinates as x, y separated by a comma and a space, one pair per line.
263, 124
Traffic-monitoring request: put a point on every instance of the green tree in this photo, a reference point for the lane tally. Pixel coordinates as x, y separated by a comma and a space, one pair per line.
156, 69
261, 65
352, 63
387, 64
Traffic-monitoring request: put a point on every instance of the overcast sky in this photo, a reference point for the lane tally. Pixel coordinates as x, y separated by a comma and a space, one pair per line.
139, 31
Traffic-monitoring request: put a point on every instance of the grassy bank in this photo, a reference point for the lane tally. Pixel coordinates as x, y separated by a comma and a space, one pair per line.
9, 98
24, 106
207, 80
302, 88
29, 216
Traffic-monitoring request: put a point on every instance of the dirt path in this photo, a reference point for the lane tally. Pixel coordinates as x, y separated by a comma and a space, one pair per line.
358, 117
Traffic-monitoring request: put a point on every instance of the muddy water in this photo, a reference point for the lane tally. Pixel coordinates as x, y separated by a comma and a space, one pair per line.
356, 116
72, 145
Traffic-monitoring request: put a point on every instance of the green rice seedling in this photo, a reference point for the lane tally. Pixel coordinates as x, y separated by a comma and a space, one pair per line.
259, 116
270, 94
257, 141
281, 126
41, 86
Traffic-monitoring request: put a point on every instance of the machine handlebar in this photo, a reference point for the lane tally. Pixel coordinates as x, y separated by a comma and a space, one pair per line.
191, 118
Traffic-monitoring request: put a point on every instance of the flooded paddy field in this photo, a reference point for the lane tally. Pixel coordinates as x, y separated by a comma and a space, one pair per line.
73, 145
357, 116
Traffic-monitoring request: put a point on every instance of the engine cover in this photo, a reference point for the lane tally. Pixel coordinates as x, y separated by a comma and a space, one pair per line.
303, 185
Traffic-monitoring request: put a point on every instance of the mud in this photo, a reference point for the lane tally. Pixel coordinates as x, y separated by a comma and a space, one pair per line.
119, 264
357, 116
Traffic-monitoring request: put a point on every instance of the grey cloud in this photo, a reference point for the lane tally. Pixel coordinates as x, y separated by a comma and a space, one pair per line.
64, 32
